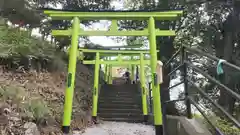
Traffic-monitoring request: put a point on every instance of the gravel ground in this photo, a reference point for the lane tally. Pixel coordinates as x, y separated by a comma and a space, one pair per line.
119, 128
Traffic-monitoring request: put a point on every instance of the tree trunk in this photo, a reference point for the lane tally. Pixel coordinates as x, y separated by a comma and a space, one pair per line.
225, 100
166, 50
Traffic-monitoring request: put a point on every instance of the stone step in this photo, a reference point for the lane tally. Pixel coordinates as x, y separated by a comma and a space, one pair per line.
120, 88
123, 104
129, 120
117, 95
120, 103
117, 101
117, 110
120, 106
121, 115
118, 92
122, 85
118, 98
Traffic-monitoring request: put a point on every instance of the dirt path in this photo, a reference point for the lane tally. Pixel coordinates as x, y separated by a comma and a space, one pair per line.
120, 128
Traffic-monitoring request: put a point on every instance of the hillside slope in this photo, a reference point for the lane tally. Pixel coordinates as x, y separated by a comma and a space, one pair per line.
38, 97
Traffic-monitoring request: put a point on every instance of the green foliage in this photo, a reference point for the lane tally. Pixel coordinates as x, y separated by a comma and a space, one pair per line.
13, 94
227, 128
38, 109
224, 126
35, 109
136, 41
21, 10
15, 42
19, 48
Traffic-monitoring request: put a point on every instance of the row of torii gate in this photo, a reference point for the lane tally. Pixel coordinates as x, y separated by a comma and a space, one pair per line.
114, 16
118, 62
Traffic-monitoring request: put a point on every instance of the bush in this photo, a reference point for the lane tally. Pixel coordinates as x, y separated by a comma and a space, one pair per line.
34, 109
12, 95
18, 43
37, 109
19, 49
224, 126
227, 128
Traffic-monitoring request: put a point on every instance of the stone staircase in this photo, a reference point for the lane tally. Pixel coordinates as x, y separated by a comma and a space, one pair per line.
120, 103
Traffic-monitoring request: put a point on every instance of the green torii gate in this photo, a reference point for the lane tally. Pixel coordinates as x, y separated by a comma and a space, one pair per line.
97, 62
76, 31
